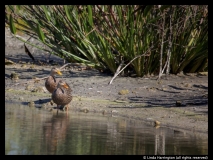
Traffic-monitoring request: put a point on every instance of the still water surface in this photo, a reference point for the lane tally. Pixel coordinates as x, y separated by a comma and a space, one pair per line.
33, 131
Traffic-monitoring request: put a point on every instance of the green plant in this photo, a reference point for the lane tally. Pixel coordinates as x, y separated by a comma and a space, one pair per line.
105, 36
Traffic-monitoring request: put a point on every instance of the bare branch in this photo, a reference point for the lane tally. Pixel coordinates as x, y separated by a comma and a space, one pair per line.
170, 45
117, 71
116, 74
161, 52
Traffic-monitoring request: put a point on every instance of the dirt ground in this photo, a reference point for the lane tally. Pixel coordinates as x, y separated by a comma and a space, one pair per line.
177, 101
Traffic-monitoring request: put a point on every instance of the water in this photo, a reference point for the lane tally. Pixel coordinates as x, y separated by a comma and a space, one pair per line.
33, 131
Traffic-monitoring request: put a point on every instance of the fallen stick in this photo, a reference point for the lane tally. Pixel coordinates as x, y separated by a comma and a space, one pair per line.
117, 71
116, 74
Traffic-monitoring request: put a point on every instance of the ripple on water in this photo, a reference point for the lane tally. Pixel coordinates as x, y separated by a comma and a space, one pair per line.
37, 131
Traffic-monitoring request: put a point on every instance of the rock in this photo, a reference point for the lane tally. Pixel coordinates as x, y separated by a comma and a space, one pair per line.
43, 105
114, 111
32, 66
21, 98
104, 112
157, 123
157, 126
38, 89
123, 92
202, 73
51, 102
187, 85
14, 76
85, 110
8, 62
31, 104
50, 109
178, 103
28, 87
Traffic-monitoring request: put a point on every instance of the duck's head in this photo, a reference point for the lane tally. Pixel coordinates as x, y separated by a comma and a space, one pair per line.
62, 84
55, 71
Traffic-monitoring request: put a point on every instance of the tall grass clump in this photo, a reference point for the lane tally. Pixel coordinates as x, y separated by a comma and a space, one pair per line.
165, 39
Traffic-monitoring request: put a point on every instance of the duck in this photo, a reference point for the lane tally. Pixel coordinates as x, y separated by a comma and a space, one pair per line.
51, 82
62, 95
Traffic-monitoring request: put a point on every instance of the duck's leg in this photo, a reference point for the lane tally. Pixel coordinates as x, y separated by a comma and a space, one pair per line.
57, 109
67, 106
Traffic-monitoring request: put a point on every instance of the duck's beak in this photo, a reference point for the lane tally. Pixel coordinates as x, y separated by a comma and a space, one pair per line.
59, 72
66, 86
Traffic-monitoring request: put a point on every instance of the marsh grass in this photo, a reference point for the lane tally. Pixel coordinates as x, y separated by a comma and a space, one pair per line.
104, 36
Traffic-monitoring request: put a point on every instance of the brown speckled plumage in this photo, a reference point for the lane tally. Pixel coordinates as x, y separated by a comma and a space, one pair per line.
62, 95
51, 82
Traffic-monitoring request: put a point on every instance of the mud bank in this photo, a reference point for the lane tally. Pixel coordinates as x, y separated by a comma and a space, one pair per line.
177, 101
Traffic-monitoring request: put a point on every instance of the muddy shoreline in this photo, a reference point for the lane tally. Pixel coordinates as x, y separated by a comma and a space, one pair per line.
177, 101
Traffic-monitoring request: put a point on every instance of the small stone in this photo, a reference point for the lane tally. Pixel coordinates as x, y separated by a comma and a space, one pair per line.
202, 73
31, 67
38, 89
21, 98
103, 112
28, 87
157, 126
187, 85
85, 110
51, 102
14, 76
31, 104
8, 62
114, 111
157, 123
43, 105
123, 92
178, 103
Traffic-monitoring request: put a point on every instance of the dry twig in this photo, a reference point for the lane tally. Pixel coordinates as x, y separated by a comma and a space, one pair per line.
118, 72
